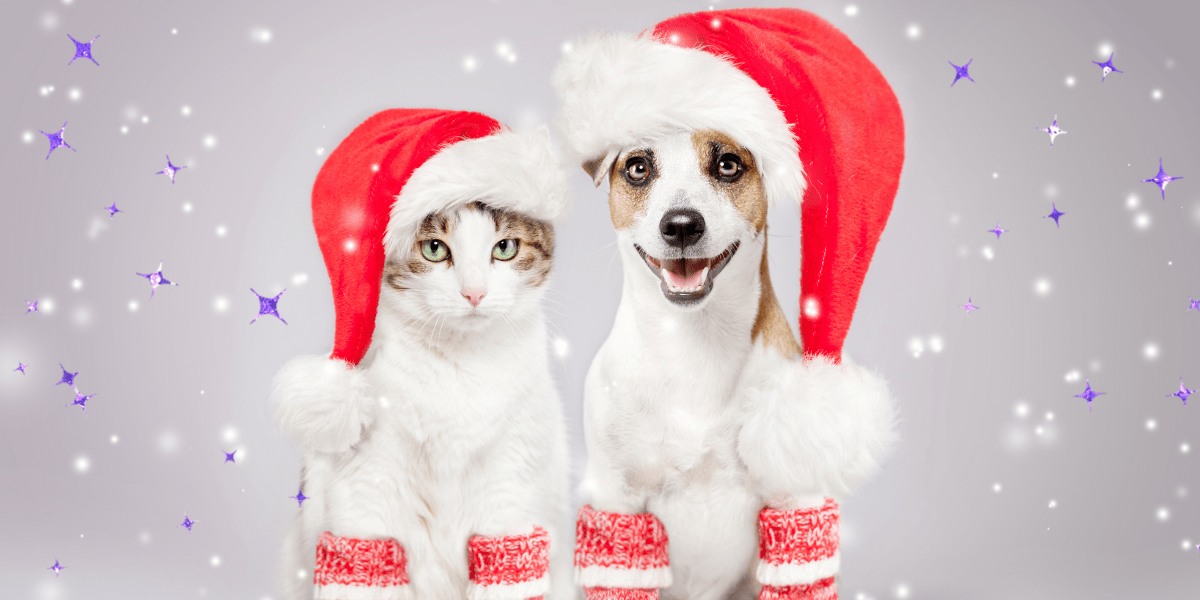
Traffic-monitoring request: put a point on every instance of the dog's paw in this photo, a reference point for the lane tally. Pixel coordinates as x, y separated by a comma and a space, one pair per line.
814, 427
322, 404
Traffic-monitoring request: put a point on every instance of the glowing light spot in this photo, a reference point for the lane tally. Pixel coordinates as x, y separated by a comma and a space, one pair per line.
1042, 287
1156, 94
221, 305
916, 347
505, 51
1053, 503
1162, 514
987, 252
75, 94
168, 442
114, 439
566, 47
1021, 409
812, 308
229, 434
715, 23
174, 31
49, 21
222, 231
1050, 190
187, 207
145, 119
215, 561
46, 306
320, 151
374, 168
1186, 545
299, 278
470, 63
27, 137
185, 110
1049, 416
996, 487
77, 284
1185, 448
301, 574
913, 31
1151, 424
674, 38
83, 464
995, 175
210, 141
144, 537
1104, 50
124, 129
1150, 351
132, 306
46, 90
851, 10
1070, 81
261, 35
1142, 221
935, 344
82, 316
561, 347
350, 245
902, 591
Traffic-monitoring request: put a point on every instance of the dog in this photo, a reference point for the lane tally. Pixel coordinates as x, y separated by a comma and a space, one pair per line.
699, 407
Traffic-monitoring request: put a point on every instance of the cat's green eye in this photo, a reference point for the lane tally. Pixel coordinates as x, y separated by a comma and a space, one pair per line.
435, 250
505, 249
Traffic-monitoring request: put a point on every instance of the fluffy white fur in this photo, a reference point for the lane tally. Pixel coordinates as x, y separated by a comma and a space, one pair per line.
812, 427
688, 418
464, 436
322, 404
622, 91
512, 170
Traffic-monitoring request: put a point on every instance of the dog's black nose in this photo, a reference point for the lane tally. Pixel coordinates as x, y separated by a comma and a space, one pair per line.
681, 227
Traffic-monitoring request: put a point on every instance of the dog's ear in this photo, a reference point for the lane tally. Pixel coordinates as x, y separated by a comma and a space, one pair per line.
599, 167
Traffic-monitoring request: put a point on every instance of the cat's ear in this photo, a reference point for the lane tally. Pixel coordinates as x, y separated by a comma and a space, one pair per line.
599, 167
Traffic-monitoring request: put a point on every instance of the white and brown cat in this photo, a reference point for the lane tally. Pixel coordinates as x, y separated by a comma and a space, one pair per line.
465, 436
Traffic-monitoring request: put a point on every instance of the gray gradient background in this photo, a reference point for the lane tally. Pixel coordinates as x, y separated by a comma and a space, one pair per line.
174, 376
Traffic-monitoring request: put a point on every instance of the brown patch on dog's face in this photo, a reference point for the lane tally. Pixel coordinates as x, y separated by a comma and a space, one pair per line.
630, 181
716, 152
770, 323
535, 244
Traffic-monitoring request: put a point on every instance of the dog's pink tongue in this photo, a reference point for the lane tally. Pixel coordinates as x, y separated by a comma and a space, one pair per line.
684, 282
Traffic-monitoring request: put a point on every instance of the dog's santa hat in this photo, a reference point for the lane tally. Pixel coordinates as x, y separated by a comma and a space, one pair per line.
820, 119
372, 194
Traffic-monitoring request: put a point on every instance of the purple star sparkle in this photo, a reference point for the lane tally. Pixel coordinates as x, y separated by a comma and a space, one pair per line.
299, 498
1088, 394
170, 170
997, 230
1195, 304
156, 279
1183, 392
1107, 67
81, 401
57, 568
32, 307
1054, 214
83, 50
56, 139
67, 377
1053, 130
1161, 180
961, 72
112, 210
970, 307
229, 457
21, 367
267, 306
187, 523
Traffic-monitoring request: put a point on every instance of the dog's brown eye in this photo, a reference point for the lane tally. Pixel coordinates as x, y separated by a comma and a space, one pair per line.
637, 170
729, 166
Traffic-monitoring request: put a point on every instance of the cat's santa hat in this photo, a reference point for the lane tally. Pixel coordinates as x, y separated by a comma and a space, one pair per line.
820, 119
368, 200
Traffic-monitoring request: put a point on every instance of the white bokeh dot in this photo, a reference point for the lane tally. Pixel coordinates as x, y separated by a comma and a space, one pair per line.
1104, 50
185, 110
1022, 409
1151, 424
996, 487
222, 231
987, 252
215, 561
1162, 514
1070, 81
209, 141
1156, 94
220, 305
261, 35
851, 10
299, 278
82, 464
1142, 221
114, 439
913, 31
1041, 286
1150, 351
75, 94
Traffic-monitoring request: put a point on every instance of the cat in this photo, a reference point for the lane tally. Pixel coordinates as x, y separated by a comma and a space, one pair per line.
467, 436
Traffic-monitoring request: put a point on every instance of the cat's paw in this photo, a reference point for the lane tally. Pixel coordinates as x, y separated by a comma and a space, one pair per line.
323, 404
815, 427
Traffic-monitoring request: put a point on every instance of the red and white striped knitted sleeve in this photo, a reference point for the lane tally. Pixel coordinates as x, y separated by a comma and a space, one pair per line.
353, 569
511, 567
798, 552
619, 556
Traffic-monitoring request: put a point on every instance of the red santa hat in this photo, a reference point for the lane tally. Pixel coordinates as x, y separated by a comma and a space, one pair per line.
820, 119
401, 165
368, 200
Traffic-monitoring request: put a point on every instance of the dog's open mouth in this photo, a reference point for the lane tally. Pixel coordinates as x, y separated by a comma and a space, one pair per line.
687, 280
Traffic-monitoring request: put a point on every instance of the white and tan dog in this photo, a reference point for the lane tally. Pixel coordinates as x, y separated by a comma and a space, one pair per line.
698, 407
701, 408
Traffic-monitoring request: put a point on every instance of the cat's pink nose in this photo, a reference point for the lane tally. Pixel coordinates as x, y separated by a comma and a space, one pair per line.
474, 295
